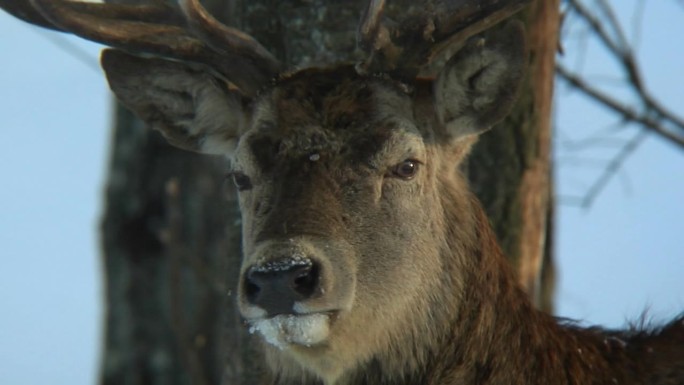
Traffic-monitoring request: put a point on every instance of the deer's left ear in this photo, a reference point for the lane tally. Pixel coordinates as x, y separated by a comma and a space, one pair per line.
479, 84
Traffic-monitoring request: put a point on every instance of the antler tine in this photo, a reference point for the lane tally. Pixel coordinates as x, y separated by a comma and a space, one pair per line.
227, 40
24, 11
98, 23
457, 21
403, 48
156, 29
371, 22
159, 14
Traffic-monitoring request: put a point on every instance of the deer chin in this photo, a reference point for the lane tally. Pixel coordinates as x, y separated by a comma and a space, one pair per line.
285, 330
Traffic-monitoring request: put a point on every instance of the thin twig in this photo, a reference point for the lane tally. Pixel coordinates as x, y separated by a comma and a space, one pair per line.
71, 49
646, 112
596, 25
614, 24
613, 167
637, 23
620, 50
591, 142
609, 171
625, 111
583, 162
626, 58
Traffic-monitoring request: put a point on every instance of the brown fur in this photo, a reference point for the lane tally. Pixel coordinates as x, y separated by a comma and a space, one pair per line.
448, 309
410, 286
412, 281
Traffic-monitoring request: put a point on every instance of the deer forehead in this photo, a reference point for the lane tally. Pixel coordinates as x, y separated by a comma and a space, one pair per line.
324, 116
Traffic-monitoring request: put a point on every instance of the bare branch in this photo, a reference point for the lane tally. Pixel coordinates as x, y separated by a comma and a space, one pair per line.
637, 23
643, 109
613, 22
655, 115
609, 171
596, 26
629, 114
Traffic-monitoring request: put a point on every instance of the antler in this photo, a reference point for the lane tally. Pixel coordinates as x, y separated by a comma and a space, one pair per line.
158, 29
404, 48
194, 35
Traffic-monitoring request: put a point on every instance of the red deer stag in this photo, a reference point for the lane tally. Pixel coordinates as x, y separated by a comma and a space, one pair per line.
366, 258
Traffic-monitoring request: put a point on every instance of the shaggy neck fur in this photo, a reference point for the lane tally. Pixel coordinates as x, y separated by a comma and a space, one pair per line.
491, 334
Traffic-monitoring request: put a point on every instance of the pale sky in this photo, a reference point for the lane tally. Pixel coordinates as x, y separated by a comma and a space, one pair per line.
616, 259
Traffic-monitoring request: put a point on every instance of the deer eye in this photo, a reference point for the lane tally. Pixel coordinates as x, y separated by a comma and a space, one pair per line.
406, 169
242, 181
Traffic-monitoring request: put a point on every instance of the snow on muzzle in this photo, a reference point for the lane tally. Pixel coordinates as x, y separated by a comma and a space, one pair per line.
292, 298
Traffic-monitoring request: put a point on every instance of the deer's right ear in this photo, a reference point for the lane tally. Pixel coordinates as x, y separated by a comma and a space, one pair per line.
192, 109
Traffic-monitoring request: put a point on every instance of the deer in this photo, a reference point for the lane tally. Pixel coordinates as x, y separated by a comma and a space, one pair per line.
367, 260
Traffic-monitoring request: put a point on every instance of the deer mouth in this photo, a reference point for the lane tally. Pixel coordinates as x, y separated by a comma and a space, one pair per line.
284, 330
288, 330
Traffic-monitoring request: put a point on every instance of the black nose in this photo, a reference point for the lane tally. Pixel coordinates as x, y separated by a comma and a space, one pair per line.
275, 286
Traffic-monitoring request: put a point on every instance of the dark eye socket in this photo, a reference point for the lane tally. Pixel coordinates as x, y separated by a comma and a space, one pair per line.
406, 169
242, 181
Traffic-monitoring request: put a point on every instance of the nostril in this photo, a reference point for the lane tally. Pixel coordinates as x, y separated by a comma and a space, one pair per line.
277, 285
306, 280
252, 289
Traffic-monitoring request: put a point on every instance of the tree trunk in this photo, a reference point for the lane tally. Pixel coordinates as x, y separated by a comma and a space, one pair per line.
510, 166
171, 232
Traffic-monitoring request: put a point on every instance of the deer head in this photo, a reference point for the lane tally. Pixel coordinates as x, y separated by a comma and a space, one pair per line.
345, 173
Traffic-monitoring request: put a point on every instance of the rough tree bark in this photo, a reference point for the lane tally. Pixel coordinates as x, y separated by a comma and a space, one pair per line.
510, 170
170, 234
